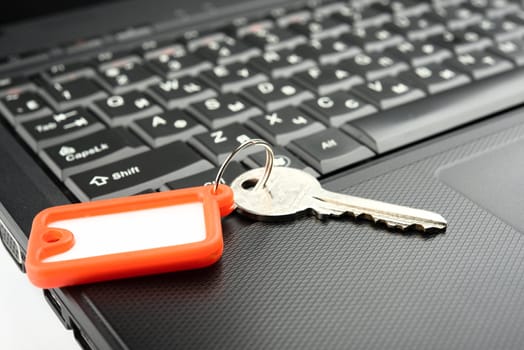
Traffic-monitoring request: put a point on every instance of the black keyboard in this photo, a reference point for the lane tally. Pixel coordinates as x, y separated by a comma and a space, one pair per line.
329, 86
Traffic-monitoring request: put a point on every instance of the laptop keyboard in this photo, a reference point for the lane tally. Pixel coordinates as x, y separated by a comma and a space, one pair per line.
329, 86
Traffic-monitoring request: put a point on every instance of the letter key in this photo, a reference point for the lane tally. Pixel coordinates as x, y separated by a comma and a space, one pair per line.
291, 192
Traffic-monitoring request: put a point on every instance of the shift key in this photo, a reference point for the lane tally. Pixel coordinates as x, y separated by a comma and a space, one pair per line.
138, 173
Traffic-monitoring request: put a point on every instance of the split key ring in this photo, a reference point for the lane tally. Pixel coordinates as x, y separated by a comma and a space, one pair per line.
270, 157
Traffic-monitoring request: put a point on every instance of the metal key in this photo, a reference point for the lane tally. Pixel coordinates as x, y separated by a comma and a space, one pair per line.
291, 192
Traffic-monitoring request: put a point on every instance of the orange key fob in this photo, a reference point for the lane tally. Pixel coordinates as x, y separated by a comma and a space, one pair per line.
125, 237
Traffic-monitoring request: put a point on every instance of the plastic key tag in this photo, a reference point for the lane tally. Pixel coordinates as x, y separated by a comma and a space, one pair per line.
124, 237
131, 236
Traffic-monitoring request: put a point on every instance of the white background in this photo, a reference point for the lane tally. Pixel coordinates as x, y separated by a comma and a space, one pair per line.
26, 320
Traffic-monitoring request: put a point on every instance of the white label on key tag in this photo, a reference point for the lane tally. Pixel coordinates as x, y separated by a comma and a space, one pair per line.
133, 231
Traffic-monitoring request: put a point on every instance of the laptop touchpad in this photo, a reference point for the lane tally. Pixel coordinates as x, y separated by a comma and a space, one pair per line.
494, 180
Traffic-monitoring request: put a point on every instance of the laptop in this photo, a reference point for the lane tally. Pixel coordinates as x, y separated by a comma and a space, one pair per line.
417, 103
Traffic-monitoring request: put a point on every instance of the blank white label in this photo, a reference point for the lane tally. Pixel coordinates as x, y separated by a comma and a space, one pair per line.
133, 231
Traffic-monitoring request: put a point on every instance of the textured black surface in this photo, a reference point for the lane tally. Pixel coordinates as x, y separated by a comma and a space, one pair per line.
24, 190
339, 284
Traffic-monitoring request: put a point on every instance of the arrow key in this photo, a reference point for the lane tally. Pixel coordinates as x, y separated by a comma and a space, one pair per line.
388, 92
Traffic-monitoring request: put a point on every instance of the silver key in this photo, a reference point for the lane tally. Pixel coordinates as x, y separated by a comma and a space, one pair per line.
291, 192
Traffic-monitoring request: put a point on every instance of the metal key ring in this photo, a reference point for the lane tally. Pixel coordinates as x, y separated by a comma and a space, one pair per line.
270, 156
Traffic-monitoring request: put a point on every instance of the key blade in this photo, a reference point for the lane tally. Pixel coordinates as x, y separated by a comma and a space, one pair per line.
393, 216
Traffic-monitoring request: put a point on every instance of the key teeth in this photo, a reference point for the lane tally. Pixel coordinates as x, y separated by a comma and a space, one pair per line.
437, 227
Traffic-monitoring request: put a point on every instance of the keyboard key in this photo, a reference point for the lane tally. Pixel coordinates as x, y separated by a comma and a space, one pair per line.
151, 45
480, 64
180, 92
60, 70
108, 56
494, 8
328, 9
435, 78
327, 79
218, 143
403, 8
330, 150
320, 28
227, 50
327, 51
234, 169
500, 29
389, 92
362, 16
222, 110
388, 130
279, 64
287, 19
14, 85
144, 171
120, 59
374, 65
60, 127
517, 16
161, 129
174, 61
462, 42
91, 151
457, 17
373, 38
19, 105
338, 108
419, 53
512, 50
122, 109
448, 3
195, 39
284, 125
233, 78
153, 50
282, 158
416, 28
79, 90
125, 75
273, 38
273, 95
240, 27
